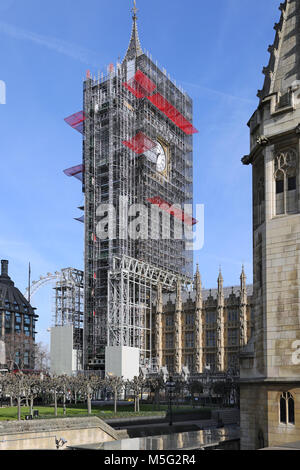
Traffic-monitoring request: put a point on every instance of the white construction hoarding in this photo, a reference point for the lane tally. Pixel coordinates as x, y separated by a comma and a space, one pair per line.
122, 361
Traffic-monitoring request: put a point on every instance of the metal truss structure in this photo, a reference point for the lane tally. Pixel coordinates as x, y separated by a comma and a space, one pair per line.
68, 299
68, 303
131, 285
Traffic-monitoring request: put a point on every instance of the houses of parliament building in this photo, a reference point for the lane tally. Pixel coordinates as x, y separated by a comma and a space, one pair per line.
203, 329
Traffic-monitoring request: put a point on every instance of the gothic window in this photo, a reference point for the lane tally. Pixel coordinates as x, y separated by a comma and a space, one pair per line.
211, 317
169, 321
169, 341
189, 340
286, 182
232, 337
170, 363
287, 408
189, 319
211, 339
232, 316
189, 362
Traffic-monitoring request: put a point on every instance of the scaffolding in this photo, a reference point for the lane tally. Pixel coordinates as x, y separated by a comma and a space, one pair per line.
68, 303
127, 113
132, 286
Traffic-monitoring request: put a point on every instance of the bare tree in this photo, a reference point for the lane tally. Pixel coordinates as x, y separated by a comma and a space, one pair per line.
156, 385
137, 385
92, 384
14, 386
32, 388
41, 357
115, 384
57, 389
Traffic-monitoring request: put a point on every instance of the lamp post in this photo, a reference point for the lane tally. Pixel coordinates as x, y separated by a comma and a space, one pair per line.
170, 386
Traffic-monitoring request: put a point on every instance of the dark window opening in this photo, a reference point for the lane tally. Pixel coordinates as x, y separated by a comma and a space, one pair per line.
292, 183
291, 409
287, 408
282, 410
279, 186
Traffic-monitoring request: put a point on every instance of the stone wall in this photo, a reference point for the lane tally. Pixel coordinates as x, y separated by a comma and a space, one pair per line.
41, 434
260, 417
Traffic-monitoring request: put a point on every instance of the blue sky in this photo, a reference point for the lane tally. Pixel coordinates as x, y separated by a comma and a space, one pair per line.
216, 50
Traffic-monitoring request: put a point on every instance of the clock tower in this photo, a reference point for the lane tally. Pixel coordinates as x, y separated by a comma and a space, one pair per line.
138, 160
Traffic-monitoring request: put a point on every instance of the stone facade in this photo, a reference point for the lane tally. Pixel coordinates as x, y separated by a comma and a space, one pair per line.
17, 325
201, 328
41, 434
270, 366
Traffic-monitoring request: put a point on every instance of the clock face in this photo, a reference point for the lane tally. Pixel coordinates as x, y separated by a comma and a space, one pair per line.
161, 158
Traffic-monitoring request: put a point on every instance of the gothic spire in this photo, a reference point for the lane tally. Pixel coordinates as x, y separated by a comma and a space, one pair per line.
178, 295
134, 49
197, 278
243, 276
198, 287
220, 280
283, 68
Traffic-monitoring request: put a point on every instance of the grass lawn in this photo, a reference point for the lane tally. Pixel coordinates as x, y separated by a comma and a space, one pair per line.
105, 412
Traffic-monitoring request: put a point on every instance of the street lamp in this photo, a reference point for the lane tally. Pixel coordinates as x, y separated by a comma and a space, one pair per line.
170, 386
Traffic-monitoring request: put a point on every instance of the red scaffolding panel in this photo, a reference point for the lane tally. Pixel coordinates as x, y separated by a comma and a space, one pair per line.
172, 113
140, 85
76, 171
140, 143
176, 212
76, 121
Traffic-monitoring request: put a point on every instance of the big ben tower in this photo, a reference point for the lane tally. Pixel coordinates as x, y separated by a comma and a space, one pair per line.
270, 365
138, 150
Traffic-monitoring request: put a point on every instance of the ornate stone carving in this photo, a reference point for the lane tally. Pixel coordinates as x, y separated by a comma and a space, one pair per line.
246, 160
158, 326
262, 140
178, 327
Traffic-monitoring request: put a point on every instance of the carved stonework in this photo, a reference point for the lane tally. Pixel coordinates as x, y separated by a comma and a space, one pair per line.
220, 326
159, 327
198, 324
243, 311
262, 140
178, 329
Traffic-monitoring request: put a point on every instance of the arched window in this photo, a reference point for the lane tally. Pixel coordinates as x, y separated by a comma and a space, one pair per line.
286, 182
287, 408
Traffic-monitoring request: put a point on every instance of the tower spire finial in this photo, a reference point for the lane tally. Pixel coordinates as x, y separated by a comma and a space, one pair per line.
134, 10
134, 50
